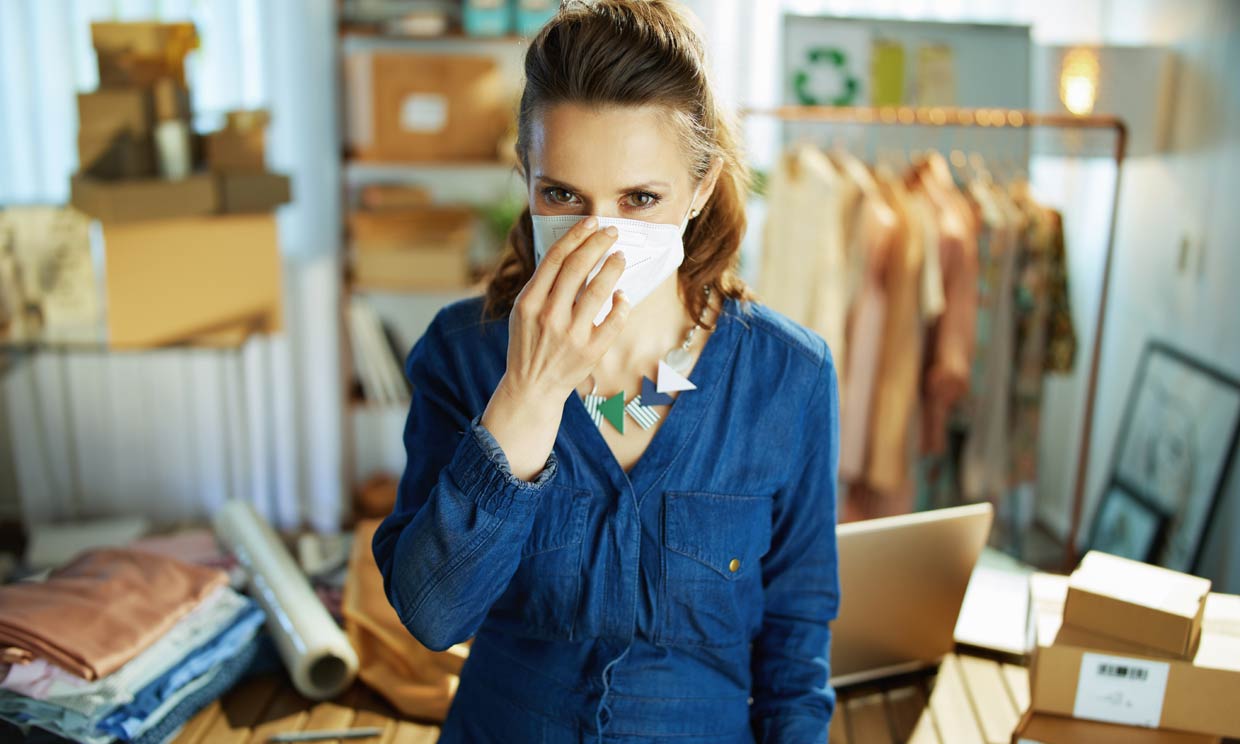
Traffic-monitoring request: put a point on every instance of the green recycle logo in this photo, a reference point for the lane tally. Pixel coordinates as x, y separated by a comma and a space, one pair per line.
827, 57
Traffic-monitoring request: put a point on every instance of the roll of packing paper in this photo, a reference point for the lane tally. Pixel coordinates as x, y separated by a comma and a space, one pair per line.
319, 658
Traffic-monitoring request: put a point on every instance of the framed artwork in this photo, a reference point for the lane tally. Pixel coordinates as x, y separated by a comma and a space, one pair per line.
1176, 442
1126, 525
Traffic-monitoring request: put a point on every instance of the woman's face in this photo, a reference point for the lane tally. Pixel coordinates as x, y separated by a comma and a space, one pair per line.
617, 161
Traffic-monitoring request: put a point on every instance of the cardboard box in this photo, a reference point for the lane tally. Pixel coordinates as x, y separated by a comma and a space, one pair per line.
253, 192
171, 101
109, 112
187, 278
237, 151
1137, 603
141, 54
1196, 696
394, 196
416, 248
426, 228
144, 199
423, 107
246, 120
122, 155
1037, 728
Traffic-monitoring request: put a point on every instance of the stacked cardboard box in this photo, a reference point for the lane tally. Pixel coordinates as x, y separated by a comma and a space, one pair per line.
412, 247
181, 265
1126, 651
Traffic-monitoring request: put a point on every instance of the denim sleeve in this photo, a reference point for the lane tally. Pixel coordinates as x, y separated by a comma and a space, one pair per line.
452, 543
793, 700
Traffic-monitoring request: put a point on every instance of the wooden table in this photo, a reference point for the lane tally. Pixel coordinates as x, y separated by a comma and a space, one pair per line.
971, 700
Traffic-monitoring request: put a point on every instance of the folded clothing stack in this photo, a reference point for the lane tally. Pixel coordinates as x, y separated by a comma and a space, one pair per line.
122, 644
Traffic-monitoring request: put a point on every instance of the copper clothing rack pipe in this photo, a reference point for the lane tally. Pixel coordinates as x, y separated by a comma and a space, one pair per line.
1001, 118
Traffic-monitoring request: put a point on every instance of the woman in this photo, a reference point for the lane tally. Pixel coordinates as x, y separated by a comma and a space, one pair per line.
667, 583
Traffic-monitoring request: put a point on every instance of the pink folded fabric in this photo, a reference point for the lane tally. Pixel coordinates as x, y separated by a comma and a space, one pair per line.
100, 610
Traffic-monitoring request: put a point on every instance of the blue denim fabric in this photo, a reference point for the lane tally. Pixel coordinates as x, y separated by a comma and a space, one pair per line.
602, 603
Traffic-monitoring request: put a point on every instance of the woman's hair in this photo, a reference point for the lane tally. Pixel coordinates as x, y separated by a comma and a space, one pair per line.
635, 53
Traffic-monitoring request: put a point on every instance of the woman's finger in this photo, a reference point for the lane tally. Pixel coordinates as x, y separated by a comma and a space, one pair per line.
576, 268
611, 326
543, 279
598, 290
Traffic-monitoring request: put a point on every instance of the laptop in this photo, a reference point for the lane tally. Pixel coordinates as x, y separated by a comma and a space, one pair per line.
902, 581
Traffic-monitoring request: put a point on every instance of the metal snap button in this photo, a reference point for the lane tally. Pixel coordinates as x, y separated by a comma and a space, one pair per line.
734, 565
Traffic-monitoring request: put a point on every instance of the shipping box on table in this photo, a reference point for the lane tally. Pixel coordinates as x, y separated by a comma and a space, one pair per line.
179, 279
1137, 603
1039, 728
252, 192
424, 107
144, 199
415, 248
1198, 696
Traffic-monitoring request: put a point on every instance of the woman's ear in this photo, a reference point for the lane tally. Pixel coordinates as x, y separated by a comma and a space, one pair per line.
707, 187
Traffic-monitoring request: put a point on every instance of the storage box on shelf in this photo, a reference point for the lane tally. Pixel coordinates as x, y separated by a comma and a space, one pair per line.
415, 107
412, 248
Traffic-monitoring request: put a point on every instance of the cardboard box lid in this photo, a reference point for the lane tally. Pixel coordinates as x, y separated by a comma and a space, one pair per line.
1136, 602
1140, 584
169, 40
144, 199
1042, 728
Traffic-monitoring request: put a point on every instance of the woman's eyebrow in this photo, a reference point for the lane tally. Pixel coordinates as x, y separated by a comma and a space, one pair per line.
569, 187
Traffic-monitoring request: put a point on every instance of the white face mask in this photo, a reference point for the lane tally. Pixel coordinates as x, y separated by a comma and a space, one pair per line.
652, 250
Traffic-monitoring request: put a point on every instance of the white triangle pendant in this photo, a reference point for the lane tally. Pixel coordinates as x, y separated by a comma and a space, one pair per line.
671, 381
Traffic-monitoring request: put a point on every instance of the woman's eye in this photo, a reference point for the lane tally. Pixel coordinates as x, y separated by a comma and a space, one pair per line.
558, 195
643, 199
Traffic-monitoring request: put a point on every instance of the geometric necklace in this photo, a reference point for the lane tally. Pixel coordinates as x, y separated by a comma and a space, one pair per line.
671, 378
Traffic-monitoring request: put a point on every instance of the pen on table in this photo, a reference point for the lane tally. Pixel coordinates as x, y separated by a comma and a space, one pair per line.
353, 733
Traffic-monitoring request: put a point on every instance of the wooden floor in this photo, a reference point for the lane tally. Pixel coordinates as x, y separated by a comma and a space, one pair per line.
971, 700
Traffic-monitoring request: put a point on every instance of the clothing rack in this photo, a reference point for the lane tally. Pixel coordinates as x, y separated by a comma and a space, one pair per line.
1000, 118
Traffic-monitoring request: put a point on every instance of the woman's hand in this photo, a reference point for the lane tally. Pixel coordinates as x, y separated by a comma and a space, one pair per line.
553, 343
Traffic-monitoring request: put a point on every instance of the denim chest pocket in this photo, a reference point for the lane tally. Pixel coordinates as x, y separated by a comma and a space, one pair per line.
542, 597
714, 543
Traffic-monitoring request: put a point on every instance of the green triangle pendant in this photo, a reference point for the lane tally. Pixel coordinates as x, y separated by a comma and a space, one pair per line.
613, 410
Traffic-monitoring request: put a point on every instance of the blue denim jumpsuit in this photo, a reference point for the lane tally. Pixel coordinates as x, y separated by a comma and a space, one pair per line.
687, 600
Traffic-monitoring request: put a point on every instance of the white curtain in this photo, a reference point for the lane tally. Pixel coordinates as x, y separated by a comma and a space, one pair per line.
172, 433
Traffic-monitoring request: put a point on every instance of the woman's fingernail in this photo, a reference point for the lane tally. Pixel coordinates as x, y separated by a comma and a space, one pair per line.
612, 231
591, 222
621, 255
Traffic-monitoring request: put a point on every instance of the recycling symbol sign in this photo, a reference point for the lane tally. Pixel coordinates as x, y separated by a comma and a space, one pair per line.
825, 78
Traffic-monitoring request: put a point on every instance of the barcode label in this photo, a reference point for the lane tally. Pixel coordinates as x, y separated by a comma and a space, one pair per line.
1123, 672
1116, 689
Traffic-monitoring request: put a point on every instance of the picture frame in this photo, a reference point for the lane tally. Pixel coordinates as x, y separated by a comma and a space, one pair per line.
1175, 447
1127, 525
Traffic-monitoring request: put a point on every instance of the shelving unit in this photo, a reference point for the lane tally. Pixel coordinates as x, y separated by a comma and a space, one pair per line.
372, 430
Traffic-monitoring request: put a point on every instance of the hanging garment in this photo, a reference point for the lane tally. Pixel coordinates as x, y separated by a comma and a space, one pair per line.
874, 231
1061, 343
803, 271
949, 350
417, 681
899, 368
101, 609
984, 471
